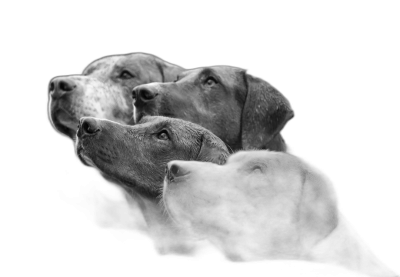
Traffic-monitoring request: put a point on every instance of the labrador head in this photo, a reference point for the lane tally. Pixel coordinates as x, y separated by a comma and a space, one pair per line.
260, 204
136, 156
244, 111
104, 89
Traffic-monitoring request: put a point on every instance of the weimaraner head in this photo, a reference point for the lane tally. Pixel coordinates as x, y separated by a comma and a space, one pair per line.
136, 156
259, 204
244, 111
104, 89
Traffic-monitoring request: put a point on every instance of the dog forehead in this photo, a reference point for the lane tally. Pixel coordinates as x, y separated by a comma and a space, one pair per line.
228, 73
223, 71
276, 160
135, 61
101, 66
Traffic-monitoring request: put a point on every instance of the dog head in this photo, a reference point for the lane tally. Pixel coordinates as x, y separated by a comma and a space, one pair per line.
244, 111
136, 156
104, 89
260, 204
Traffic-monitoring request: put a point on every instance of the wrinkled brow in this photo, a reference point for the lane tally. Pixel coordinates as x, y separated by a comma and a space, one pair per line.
154, 127
207, 71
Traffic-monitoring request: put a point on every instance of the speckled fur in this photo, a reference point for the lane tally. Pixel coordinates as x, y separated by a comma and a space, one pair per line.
101, 92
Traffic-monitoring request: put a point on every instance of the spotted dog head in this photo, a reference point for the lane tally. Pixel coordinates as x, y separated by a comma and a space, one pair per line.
104, 89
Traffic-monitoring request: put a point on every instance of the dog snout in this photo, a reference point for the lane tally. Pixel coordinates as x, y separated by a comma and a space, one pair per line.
59, 86
88, 126
174, 171
143, 94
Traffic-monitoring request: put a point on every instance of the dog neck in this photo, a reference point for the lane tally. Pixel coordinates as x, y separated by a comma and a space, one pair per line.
343, 247
168, 238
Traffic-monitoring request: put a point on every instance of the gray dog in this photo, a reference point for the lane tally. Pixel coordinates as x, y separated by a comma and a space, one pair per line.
136, 158
266, 205
244, 111
104, 91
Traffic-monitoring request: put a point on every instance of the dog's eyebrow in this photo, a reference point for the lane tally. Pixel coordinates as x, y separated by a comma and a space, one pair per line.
158, 126
208, 71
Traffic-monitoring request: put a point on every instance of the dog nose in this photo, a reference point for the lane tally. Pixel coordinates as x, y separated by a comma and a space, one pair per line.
59, 86
143, 94
174, 170
88, 126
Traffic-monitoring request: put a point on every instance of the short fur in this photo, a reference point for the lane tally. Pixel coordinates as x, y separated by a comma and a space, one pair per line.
104, 91
136, 158
265, 205
244, 111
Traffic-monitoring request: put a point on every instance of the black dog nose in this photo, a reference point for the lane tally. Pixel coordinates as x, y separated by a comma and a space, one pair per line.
174, 170
142, 94
59, 86
88, 126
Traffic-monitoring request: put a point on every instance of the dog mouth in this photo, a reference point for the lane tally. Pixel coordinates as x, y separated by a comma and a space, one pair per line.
63, 122
183, 220
176, 215
82, 155
180, 218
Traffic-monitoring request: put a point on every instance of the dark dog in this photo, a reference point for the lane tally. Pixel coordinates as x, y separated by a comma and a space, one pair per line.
244, 111
136, 157
266, 205
104, 91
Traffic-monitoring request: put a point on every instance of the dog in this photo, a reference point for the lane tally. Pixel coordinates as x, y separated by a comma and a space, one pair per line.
265, 205
244, 111
136, 158
104, 91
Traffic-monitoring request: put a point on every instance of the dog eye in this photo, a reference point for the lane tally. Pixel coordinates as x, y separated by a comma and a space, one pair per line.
210, 81
256, 170
125, 75
177, 79
163, 135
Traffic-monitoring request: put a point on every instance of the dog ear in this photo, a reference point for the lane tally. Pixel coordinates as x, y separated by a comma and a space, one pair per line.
318, 214
212, 149
169, 71
265, 113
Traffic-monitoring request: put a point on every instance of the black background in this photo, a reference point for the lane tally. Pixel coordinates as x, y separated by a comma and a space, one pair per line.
336, 71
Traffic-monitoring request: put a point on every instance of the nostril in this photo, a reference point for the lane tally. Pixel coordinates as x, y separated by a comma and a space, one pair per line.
174, 169
65, 86
51, 87
146, 94
134, 94
89, 126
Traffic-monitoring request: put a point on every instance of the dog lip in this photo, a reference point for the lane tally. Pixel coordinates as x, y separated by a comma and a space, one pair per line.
62, 119
81, 155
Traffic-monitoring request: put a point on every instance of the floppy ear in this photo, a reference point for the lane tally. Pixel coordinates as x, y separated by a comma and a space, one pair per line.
318, 214
212, 149
168, 71
265, 113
